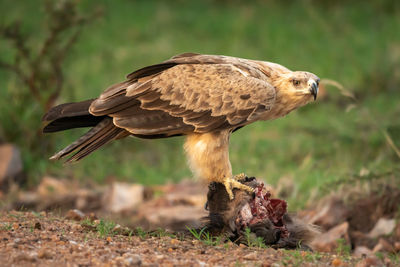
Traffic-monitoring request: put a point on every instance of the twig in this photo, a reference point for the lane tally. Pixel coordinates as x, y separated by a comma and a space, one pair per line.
59, 78
389, 140
339, 86
27, 81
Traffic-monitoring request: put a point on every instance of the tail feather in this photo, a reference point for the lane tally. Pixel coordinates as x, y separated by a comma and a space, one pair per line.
86, 150
99, 135
70, 115
72, 122
74, 115
68, 110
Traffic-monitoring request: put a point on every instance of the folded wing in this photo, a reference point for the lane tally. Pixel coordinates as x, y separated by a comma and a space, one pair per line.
189, 93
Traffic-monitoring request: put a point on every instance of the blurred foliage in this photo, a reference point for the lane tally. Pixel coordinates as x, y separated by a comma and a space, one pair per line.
352, 42
37, 66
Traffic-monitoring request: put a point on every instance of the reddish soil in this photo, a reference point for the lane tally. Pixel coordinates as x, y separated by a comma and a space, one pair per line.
46, 239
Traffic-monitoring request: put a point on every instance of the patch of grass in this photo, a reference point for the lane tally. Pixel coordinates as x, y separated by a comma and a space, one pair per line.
304, 258
313, 256
299, 257
380, 255
5, 226
395, 258
141, 233
37, 214
103, 228
106, 228
87, 222
205, 237
253, 241
239, 264
160, 232
292, 258
16, 215
343, 249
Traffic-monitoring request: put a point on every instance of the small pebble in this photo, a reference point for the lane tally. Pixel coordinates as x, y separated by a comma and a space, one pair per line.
174, 241
38, 226
43, 253
337, 262
22, 256
369, 261
75, 214
251, 256
77, 227
397, 246
132, 259
15, 226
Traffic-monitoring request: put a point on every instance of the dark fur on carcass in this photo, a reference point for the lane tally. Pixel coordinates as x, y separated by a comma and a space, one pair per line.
224, 215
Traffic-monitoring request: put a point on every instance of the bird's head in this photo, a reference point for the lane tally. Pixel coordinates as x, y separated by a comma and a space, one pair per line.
297, 87
303, 84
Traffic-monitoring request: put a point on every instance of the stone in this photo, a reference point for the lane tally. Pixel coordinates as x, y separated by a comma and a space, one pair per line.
172, 217
24, 256
37, 226
186, 192
397, 246
123, 197
11, 166
52, 187
369, 262
28, 199
44, 254
397, 231
132, 259
337, 262
328, 241
179, 205
383, 245
362, 252
251, 256
75, 215
186, 199
382, 227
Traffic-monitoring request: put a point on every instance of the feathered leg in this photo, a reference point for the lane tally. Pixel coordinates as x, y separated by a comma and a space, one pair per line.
208, 156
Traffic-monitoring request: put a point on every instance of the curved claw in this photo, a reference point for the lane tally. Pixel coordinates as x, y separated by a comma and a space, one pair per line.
232, 182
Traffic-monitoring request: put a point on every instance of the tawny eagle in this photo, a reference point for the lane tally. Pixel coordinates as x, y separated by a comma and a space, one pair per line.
203, 97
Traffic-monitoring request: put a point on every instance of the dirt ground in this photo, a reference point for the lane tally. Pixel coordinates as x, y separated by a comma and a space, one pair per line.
49, 239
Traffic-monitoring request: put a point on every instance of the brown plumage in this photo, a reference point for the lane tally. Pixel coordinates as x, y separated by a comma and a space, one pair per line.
203, 97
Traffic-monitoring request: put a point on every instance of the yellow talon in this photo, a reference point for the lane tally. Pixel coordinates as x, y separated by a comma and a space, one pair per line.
240, 176
232, 182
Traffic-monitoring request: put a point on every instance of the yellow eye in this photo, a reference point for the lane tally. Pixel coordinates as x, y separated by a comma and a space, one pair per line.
296, 82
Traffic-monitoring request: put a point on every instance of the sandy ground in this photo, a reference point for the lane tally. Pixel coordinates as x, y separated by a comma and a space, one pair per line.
47, 239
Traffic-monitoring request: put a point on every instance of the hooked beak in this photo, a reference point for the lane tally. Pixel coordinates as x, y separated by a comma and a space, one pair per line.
313, 88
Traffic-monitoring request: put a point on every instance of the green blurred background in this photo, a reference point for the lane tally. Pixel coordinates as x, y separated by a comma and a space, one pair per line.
355, 43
